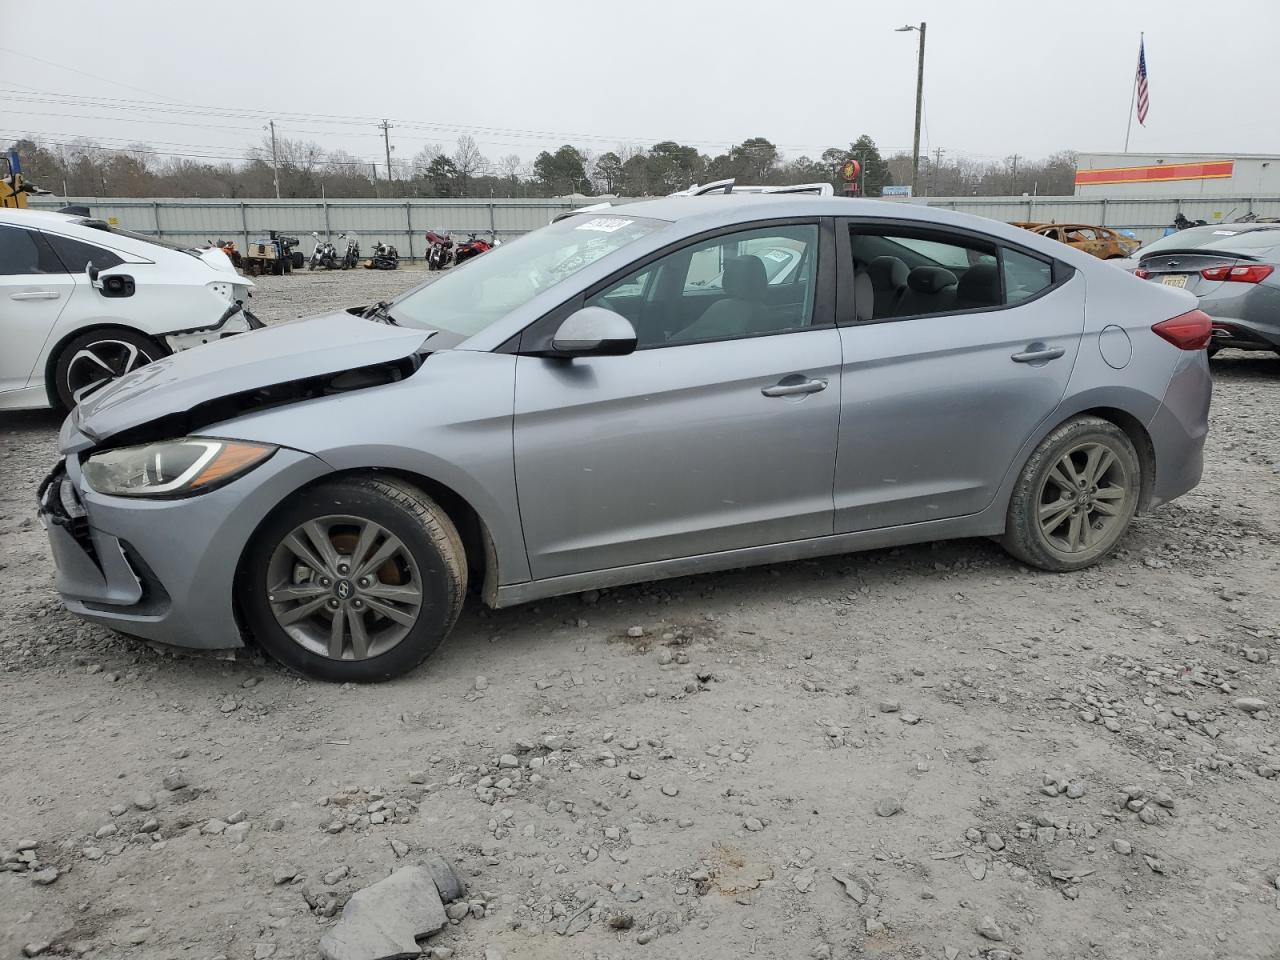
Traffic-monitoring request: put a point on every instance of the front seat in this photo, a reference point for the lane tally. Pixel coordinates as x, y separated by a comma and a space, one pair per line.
743, 310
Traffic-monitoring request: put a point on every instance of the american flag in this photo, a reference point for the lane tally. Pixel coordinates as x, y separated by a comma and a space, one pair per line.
1142, 83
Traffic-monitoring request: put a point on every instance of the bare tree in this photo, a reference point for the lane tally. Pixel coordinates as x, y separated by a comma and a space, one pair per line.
468, 160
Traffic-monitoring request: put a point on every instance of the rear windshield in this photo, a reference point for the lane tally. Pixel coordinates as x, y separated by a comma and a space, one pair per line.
1220, 236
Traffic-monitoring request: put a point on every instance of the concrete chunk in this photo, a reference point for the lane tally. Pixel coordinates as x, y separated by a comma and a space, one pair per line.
384, 921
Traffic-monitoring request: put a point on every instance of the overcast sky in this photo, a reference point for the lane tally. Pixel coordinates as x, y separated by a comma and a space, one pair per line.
1001, 76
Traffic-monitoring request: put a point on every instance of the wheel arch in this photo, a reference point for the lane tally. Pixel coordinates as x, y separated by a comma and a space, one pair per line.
481, 556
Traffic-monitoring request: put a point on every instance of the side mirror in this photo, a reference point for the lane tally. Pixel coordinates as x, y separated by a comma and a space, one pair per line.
594, 332
92, 273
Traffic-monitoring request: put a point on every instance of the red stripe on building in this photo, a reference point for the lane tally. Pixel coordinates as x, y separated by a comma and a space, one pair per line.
1203, 170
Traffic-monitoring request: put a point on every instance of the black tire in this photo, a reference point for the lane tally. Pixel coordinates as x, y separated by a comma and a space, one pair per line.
1037, 493
298, 260
400, 509
113, 345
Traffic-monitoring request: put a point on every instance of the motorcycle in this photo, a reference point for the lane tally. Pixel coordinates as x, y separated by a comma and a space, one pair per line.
385, 257
1180, 222
439, 250
324, 256
351, 259
473, 247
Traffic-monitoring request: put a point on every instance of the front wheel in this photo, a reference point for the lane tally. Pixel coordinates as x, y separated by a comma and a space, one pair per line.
1075, 496
355, 580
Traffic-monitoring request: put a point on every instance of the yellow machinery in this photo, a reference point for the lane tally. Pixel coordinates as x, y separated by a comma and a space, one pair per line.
13, 189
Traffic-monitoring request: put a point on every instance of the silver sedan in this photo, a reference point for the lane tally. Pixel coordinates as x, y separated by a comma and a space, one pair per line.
624, 396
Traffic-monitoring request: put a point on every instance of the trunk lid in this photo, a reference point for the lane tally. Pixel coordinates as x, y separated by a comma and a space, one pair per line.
1167, 267
295, 352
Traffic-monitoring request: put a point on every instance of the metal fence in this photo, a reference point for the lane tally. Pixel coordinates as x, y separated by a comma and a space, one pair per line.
405, 222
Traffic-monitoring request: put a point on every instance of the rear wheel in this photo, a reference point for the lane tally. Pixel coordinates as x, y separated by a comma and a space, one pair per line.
355, 580
1075, 496
92, 360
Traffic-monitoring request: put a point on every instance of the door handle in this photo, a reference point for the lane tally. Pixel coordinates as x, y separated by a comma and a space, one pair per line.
1038, 353
35, 295
784, 389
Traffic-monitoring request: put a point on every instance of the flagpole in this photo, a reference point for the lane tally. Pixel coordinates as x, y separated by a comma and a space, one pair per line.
1133, 98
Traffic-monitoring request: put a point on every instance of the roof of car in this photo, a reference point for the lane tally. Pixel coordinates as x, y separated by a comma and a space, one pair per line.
37, 218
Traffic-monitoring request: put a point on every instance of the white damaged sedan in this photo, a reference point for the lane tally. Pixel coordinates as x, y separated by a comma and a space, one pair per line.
82, 303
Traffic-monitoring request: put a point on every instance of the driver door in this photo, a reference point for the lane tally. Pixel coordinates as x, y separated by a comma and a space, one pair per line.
692, 444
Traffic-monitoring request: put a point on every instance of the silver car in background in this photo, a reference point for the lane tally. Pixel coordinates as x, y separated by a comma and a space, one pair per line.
624, 396
1233, 269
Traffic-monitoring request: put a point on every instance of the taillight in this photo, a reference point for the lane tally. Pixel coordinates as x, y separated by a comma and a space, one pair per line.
1142, 273
1187, 331
1253, 273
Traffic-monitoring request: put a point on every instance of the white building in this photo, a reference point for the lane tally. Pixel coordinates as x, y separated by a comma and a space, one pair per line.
1176, 176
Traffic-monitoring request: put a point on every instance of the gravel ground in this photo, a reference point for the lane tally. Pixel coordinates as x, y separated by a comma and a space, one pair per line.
921, 752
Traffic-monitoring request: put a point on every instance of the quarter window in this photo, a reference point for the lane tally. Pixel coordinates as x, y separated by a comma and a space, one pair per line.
737, 285
24, 252
1024, 276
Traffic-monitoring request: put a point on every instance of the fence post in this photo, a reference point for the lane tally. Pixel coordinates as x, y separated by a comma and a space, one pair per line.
493, 228
408, 224
325, 204
244, 227
155, 212
1103, 222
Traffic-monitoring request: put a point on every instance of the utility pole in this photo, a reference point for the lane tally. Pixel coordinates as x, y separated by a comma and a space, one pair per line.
1013, 175
275, 160
937, 167
915, 150
386, 140
373, 175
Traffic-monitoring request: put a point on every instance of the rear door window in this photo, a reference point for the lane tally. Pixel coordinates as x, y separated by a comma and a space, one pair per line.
25, 252
924, 271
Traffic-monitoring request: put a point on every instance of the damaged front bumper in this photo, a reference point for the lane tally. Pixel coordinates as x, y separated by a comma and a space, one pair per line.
164, 570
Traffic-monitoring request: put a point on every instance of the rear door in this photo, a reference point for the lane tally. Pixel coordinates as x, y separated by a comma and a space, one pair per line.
938, 397
34, 291
718, 433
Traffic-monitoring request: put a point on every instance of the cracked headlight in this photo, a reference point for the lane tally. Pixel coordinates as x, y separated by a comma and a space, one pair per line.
172, 468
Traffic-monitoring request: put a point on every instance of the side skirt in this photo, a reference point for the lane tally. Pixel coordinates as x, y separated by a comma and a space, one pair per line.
986, 524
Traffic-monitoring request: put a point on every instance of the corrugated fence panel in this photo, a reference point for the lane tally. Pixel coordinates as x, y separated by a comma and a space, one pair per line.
405, 222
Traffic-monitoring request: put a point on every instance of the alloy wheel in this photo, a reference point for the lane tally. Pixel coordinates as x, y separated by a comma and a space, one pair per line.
1082, 497
344, 587
97, 364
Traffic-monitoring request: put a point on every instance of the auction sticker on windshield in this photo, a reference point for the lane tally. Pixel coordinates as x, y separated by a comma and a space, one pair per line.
604, 224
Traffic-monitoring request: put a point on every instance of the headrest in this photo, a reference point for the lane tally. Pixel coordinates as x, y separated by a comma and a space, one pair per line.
864, 295
744, 278
980, 284
888, 273
930, 279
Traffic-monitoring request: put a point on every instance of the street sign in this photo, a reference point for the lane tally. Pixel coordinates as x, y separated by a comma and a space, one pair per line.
894, 190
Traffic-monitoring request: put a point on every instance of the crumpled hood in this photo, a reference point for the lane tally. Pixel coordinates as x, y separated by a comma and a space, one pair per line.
278, 354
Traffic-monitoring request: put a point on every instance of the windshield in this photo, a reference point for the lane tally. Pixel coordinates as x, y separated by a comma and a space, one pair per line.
469, 298
1222, 236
